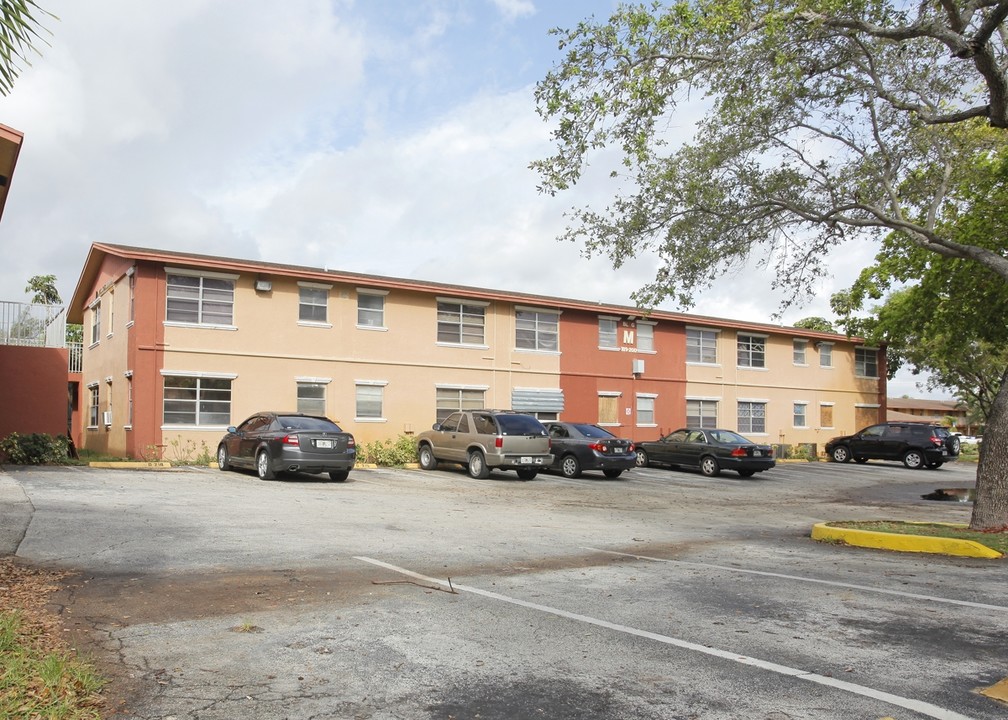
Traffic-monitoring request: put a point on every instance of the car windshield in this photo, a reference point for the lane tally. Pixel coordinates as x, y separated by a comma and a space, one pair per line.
593, 431
727, 436
520, 425
302, 422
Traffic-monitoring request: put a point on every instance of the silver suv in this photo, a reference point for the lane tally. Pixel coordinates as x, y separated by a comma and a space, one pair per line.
483, 439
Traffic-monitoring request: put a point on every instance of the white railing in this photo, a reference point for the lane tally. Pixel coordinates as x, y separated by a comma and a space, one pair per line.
32, 325
76, 353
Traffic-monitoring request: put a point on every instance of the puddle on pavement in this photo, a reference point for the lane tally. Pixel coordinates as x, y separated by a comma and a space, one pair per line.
962, 495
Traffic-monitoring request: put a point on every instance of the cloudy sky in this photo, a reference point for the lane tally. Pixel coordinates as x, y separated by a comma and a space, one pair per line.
389, 137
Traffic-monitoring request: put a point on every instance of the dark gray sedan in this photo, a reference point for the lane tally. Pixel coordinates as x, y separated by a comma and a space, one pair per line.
709, 450
581, 446
272, 442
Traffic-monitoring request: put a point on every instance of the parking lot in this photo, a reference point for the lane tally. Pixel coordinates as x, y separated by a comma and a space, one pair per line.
411, 594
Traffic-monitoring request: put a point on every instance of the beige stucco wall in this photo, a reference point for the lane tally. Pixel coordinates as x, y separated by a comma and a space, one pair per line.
782, 384
268, 351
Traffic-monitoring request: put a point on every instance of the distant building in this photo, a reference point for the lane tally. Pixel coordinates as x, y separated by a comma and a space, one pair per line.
935, 411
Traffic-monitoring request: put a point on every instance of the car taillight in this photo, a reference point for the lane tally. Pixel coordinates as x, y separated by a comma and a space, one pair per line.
630, 448
350, 442
936, 441
498, 442
291, 440
739, 452
599, 447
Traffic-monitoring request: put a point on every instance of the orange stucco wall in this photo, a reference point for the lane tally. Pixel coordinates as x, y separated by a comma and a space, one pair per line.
33, 390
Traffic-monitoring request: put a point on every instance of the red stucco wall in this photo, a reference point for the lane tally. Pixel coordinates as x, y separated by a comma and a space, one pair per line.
33, 390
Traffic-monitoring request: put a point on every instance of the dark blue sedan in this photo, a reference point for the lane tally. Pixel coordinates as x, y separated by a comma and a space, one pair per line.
709, 450
582, 446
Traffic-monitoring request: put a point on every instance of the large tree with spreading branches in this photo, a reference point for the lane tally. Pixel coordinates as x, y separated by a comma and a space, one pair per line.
821, 123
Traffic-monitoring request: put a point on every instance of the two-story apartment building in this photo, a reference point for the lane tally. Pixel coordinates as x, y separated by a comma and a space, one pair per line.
178, 346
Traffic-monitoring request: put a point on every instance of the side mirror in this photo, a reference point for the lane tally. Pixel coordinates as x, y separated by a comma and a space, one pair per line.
436, 426
232, 429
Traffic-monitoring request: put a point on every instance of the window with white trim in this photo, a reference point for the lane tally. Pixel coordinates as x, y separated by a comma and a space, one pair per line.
313, 303
129, 399
454, 399
798, 352
93, 405
645, 336
607, 332
311, 398
370, 309
111, 311
96, 323
800, 415
196, 400
701, 413
200, 300
646, 409
751, 417
866, 362
701, 346
825, 355
460, 323
751, 351
132, 294
370, 398
537, 330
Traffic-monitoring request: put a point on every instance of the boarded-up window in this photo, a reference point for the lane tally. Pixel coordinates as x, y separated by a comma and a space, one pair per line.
865, 416
826, 416
608, 406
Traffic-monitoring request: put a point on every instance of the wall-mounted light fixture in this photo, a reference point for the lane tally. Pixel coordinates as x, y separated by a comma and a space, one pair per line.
263, 284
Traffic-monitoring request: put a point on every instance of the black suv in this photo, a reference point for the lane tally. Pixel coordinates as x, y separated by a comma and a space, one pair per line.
916, 444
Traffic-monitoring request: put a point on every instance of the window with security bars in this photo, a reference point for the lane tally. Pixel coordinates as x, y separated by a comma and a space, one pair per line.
311, 398
197, 401
701, 413
751, 351
451, 400
752, 417
537, 330
608, 410
369, 401
701, 346
460, 323
313, 304
200, 300
866, 362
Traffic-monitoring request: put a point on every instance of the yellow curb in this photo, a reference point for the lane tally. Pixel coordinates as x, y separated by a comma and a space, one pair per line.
130, 464
997, 691
903, 543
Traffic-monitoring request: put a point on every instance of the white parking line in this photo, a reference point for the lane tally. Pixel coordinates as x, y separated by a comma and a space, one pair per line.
834, 583
923, 708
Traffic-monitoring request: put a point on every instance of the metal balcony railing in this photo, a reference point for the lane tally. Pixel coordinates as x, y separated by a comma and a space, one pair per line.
32, 325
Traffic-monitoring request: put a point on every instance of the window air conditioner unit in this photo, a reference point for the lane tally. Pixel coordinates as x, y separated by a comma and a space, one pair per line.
638, 367
107, 417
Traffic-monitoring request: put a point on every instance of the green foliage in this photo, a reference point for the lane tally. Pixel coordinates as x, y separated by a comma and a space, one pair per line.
35, 449
823, 121
388, 453
19, 33
33, 684
44, 289
815, 322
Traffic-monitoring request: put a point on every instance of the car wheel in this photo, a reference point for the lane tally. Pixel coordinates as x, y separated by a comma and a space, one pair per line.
841, 454
612, 474
570, 467
263, 466
860, 461
223, 461
913, 459
746, 473
709, 466
527, 473
954, 445
935, 465
427, 459
339, 475
477, 465
642, 459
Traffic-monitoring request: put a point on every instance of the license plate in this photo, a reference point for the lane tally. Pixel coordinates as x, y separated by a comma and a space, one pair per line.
525, 460
757, 453
325, 444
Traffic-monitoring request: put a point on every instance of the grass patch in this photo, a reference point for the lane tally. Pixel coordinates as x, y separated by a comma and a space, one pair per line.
39, 684
996, 541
